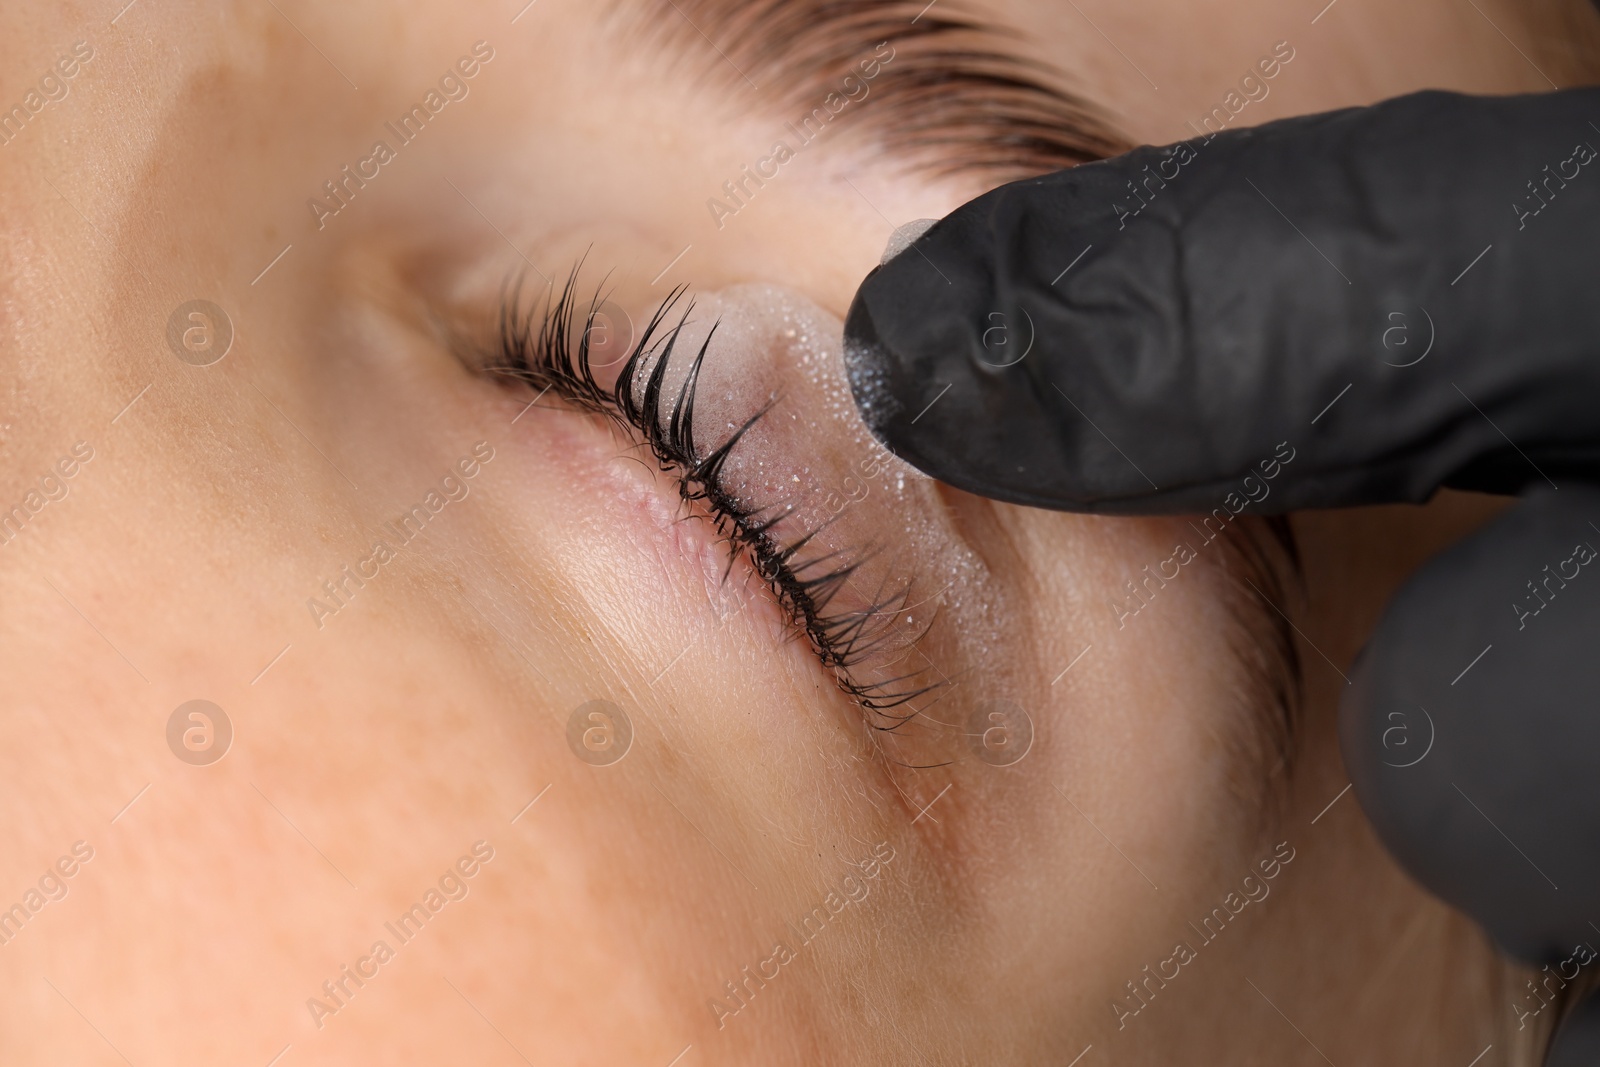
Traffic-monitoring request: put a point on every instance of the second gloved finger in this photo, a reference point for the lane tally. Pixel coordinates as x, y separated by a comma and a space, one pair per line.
1471, 729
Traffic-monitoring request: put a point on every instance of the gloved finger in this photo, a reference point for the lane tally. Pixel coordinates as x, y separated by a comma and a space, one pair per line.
1471, 731
1394, 296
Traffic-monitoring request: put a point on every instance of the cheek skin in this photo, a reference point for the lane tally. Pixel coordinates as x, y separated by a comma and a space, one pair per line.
429, 712
1132, 735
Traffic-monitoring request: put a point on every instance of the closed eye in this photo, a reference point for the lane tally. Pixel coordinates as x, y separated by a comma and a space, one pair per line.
546, 348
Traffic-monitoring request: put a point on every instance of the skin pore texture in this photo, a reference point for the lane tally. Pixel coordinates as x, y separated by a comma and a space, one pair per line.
762, 878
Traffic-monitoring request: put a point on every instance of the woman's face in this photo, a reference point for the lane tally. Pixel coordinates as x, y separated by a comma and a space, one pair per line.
512, 754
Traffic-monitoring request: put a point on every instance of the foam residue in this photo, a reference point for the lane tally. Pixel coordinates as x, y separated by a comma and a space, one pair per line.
813, 457
903, 236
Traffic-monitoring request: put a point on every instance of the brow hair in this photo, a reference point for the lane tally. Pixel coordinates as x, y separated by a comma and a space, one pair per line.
957, 99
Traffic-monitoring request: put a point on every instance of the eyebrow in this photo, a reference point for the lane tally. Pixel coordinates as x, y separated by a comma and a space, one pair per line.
957, 98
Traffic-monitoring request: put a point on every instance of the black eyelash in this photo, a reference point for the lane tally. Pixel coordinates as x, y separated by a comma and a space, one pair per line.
537, 348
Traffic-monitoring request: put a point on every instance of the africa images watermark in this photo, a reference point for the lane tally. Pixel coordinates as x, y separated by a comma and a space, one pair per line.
342, 588
1253, 489
853, 489
851, 890
1531, 605
52, 886
1542, 995
599, 732
1553, 181
1253, 88
199, 732
452, 86
53, 485
854, 88
1252, 889
52, 88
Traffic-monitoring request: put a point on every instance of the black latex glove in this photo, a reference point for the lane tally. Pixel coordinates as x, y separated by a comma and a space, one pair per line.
1341, 309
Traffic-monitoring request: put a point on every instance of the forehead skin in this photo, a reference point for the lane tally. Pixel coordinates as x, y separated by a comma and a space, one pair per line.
373, 751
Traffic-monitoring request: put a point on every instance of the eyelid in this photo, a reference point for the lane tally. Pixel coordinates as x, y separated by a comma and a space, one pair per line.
537, 348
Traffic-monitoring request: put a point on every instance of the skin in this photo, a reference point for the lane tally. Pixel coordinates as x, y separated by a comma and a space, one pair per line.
430, 709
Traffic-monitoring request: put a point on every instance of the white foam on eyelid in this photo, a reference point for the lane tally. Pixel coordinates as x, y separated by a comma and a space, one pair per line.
813, 451
903, 236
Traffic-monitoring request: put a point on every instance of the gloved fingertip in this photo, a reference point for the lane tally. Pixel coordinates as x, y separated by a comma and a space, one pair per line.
867, 368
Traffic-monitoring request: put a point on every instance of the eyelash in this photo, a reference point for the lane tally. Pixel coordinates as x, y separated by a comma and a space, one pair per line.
536, 348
